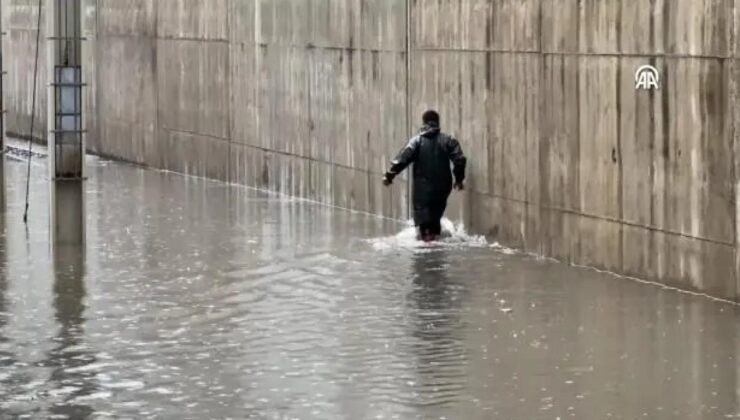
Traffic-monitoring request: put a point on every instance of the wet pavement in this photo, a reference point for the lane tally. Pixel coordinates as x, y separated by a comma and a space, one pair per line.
199, 300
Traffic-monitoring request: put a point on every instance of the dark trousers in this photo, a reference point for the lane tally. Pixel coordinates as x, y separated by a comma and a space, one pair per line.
431, 228
428, 215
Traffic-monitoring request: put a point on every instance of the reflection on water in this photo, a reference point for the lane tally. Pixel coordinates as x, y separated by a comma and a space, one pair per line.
6, 356
436, 302
199, 300
71, 356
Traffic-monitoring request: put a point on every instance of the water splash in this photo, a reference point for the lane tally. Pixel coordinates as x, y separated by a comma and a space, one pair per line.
453, 235
503, 249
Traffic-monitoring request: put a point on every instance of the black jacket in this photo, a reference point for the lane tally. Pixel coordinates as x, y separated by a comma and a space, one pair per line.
431, 152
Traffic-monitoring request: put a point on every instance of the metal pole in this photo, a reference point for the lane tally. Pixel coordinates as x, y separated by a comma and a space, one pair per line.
2, 79
2, 109
66, 130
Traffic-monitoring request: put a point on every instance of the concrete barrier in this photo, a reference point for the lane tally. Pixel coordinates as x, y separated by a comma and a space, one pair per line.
313, 97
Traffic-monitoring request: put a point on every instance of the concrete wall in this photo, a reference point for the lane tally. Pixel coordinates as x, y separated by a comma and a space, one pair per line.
257, 93
20, 22
569, 160
313, 97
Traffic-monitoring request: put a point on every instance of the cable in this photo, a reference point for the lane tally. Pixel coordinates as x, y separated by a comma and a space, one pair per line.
33, 114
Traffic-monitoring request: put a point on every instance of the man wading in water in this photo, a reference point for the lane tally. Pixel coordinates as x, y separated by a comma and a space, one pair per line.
431, 152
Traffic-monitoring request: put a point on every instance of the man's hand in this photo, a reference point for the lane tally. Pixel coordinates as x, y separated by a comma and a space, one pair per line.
460, 186
387, 180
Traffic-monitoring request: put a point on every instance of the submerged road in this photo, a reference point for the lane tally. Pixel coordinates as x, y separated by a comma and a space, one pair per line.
199, 300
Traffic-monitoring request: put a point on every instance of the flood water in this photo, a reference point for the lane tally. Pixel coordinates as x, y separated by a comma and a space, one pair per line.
199, 300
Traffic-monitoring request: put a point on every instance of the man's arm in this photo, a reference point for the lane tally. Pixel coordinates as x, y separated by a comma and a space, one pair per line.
404, 158
459, 163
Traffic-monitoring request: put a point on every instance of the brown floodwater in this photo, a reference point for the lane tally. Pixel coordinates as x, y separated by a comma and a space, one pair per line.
195, 300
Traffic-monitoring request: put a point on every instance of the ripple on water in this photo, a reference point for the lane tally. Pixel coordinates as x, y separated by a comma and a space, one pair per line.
200, 301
